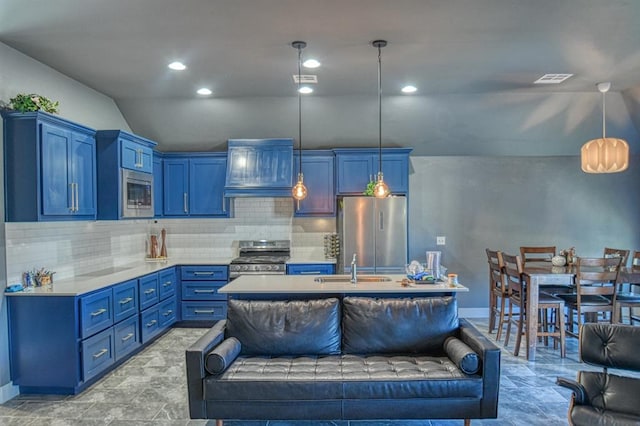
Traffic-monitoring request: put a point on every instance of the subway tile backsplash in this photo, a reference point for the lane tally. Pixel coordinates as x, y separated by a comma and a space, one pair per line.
76, 248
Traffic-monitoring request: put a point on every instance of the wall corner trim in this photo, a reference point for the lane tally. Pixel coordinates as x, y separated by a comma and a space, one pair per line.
8, 391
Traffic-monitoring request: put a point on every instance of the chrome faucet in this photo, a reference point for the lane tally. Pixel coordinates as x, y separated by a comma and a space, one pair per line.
354, 270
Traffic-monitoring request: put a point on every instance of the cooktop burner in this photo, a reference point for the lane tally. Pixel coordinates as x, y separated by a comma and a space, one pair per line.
260, 259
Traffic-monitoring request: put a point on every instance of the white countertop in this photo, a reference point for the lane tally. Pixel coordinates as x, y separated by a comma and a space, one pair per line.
299, 259
300, 284
82, 284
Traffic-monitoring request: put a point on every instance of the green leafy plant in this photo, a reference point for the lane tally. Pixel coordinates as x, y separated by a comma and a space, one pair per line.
33, 102
369, 189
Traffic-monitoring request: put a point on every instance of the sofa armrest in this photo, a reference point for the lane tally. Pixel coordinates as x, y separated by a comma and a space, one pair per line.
490, 355
195, 360
579, 392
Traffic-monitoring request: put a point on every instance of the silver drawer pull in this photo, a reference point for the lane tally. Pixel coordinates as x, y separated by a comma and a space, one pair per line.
167, 284
209, 273
99, 354
150, 291
151, 323
310, 272
127, 337
98, 312
126, 300
169, 312
199, 290
201, 311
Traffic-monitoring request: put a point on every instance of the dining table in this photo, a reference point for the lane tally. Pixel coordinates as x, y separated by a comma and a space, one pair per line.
541, 274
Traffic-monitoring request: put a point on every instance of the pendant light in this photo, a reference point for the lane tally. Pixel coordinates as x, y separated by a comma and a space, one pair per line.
380, 190
604, 155
299, 191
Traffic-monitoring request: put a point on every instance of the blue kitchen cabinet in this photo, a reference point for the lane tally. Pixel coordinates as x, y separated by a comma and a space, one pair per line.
318, 172
193, 185
50, 168
135, 154
200, 300
158, 185
357, 167
148, 290
311, 269
167, 283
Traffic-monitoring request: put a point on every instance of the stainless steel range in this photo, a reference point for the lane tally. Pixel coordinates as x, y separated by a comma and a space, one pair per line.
261, 257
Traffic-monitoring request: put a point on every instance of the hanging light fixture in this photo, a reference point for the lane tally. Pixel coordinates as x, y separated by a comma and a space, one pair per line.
299, 191
380, 190
604, 155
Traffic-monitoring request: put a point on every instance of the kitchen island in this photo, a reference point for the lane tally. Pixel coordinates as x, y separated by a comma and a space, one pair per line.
309, 286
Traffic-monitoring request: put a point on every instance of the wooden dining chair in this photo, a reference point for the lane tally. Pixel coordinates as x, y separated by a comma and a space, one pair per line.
536, 254
628, 299
498, 294
595, 291
612, 252
516, 286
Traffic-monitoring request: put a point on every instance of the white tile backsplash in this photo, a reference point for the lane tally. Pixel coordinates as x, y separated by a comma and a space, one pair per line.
76, 248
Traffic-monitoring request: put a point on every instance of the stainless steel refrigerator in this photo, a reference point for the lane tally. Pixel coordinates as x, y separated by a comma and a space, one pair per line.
375, 229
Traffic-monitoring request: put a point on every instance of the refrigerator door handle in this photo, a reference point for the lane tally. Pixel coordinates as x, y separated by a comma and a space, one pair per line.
381, 220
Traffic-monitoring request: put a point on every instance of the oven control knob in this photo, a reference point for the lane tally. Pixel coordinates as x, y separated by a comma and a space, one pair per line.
244, 267
267, 268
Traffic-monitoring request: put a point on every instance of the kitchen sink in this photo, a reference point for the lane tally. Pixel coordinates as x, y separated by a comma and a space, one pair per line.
347, 279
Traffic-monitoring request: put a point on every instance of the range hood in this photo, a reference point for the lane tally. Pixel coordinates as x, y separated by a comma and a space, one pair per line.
259, 168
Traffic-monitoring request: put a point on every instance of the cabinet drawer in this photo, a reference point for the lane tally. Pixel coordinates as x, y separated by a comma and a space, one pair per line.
126, 336
136, 157
97, 353
167, 312
202, 290
218, 272
167, 281
96, 312
125, 300
149, 324
204, 311
148, 291
311, 269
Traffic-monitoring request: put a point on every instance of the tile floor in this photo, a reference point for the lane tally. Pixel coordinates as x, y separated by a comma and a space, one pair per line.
150, 389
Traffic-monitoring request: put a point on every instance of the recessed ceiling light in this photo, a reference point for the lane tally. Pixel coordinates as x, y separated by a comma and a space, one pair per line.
204, 91
552, 78
178, 66
311, 63
409, 89
305, 90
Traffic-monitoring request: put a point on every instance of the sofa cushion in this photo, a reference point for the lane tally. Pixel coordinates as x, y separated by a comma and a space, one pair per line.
397, 326
298, 327
462, 355
341, 376
222, 356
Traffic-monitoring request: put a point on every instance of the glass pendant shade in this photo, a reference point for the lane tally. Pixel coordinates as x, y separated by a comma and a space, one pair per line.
299, 191
381, 190
605, 155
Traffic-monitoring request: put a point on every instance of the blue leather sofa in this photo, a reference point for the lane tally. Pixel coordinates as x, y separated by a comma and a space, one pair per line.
332, 359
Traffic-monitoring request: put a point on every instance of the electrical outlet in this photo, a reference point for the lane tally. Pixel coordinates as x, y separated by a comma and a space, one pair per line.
440, 241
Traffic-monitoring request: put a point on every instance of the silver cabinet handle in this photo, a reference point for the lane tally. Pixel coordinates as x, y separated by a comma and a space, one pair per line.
151, 323
127, 337
126, 300
184, 200
203, 311
310, 272
77, 197
169, 312
150, 291
224, 204
73, 193
199, 291
167, 284
98, 312
205, 273
139, 158
101, 353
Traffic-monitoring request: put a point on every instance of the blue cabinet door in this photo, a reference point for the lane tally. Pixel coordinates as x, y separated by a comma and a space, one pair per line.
148, 291
158, 185
136, 156
83, 172
395, 168
355, 171
56, 172
206, 186
318, 171
125, 300
167, 283
357, 167
176, 187
311, 269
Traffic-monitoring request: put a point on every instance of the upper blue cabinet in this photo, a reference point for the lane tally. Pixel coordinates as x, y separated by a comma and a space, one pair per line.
259, 167
158, 184
357, 167
50, 168
318, 172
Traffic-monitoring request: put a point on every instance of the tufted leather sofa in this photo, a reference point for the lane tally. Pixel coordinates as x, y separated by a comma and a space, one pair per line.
605, 397
331, 359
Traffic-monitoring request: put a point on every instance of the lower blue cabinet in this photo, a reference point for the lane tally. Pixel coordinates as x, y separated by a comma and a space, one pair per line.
311, 269
204, 311
126, 337
96, 311
149, 324
125, 300
97, 353
167, 312
149, 291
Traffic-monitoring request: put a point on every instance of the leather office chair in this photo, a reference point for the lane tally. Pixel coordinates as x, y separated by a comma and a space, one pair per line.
602, 398
498, 292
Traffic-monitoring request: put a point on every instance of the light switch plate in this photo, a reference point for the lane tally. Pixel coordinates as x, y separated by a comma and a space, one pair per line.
440, 241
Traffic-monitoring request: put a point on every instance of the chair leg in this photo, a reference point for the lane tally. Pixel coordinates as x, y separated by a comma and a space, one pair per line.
492, 309
506, 337
516, 351
467, 422
219, 422
563, 340
501, 320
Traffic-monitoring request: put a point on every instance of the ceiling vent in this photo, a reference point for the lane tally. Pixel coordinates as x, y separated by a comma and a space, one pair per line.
552, 78
305, 79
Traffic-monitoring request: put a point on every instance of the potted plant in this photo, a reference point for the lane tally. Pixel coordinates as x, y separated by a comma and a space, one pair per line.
33, 102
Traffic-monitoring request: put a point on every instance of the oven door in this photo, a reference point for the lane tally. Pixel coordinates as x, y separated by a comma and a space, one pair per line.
137, 194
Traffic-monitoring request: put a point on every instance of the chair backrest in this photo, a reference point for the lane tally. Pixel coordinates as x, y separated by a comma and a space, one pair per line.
513, 277
496, 270
610, 345
597, 275
537, 254
611, 252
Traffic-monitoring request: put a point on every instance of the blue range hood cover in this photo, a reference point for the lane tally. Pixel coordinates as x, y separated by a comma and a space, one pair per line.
259, 168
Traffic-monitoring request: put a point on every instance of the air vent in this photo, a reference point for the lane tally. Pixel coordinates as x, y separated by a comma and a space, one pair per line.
306, 79
552, 78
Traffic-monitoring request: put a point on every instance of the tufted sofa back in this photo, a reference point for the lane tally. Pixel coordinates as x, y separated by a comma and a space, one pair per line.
610, 346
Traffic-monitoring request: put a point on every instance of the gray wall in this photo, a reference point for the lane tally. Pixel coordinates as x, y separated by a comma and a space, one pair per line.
505, 202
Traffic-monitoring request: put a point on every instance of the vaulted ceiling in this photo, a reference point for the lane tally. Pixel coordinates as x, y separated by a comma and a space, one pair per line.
473, 62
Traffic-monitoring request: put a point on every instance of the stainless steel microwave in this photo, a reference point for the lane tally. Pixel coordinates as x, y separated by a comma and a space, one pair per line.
137, 194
